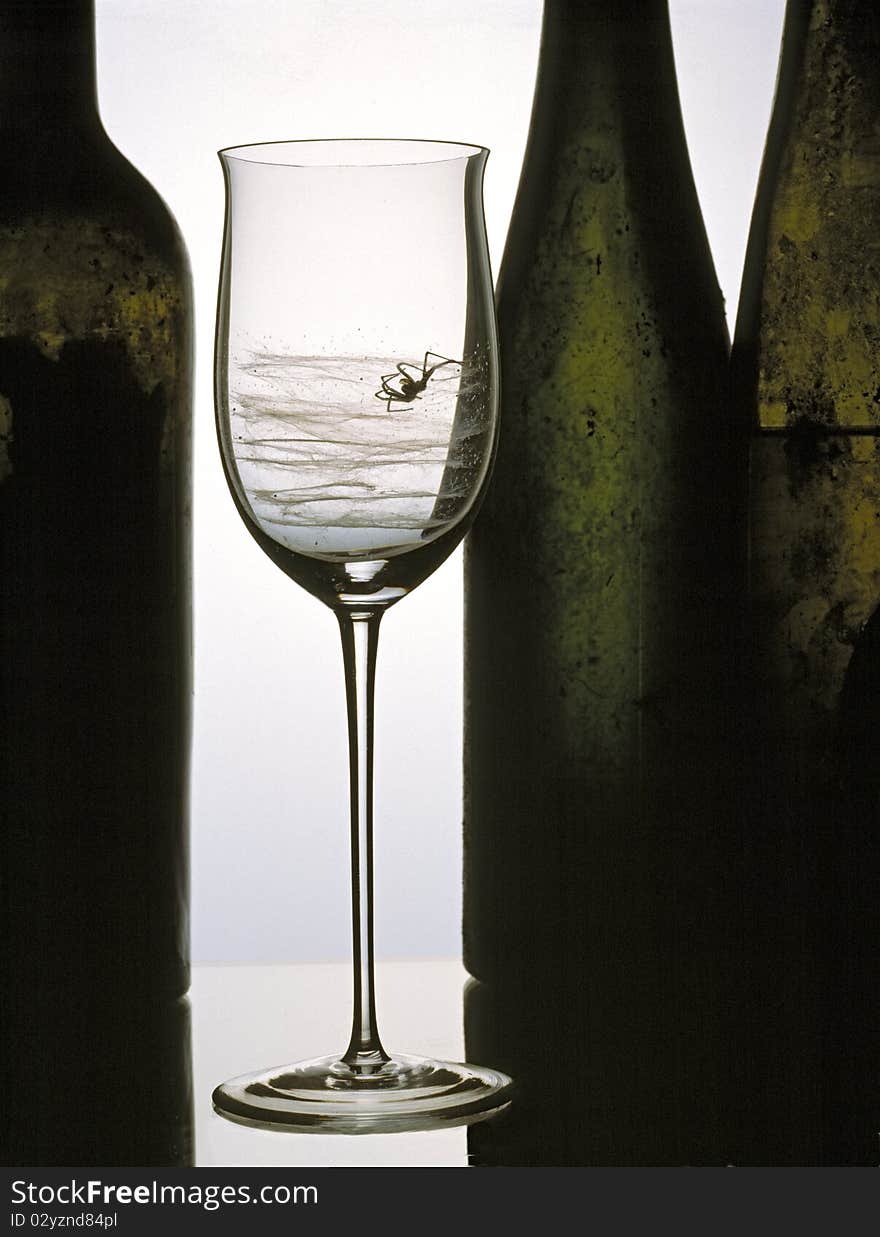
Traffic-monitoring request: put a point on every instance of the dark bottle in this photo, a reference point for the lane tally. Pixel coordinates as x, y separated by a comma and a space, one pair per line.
95, 368
601, 581
807, 386
122, 1094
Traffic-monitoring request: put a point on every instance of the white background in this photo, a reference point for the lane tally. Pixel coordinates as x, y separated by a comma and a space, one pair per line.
178, 79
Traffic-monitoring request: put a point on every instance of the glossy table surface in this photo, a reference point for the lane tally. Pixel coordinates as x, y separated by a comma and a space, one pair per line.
253, 1017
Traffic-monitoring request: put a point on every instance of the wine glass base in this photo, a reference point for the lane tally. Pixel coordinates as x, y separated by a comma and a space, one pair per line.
325, 1096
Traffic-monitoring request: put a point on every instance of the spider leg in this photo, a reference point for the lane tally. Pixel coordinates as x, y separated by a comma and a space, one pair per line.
387, 389
427, 370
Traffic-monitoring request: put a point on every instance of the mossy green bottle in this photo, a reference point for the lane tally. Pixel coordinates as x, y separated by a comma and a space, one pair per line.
601, 590
807, 385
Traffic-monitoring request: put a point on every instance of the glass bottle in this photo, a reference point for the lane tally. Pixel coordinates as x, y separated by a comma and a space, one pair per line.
95, 376
601, 581
807, 389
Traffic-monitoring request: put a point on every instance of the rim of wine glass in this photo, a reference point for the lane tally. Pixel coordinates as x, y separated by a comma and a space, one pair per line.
466, 150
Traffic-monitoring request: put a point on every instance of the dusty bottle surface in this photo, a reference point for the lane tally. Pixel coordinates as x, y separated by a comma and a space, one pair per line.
807, 385
601, 578
95, 361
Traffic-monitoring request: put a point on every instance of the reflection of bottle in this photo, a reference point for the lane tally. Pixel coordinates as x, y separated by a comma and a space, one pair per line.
598, 608
807, 381
94, 509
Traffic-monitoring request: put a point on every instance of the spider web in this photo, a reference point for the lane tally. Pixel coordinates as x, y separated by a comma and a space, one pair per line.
316, 449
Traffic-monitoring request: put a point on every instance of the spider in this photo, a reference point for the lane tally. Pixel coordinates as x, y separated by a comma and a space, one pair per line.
410, 387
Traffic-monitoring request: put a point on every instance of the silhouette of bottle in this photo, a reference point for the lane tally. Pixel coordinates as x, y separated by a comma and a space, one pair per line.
807, 387
95, 359
601, 592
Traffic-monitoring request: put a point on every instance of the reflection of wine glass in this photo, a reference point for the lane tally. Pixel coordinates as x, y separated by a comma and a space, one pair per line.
357, 394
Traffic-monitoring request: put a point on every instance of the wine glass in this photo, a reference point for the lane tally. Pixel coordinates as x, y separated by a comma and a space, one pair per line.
357, 397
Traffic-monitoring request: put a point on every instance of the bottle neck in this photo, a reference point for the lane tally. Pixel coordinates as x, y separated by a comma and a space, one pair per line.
47, 67
606, 167
829, 73
603, 64
606, 98
813, 227
850, 25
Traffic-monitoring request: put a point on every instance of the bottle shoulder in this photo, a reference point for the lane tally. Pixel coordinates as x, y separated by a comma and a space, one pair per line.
618, 223
90, 257
86, 184
607, 254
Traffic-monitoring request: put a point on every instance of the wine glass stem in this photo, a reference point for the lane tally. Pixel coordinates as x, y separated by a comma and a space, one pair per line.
360, 635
